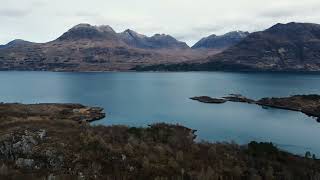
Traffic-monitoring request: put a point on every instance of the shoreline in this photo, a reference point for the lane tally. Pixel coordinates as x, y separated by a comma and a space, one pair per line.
153, 71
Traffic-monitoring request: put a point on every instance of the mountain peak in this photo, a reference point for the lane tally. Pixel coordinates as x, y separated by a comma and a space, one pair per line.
221, 42
133, 34
135, 39
81, 25
17, 42
102, 28
237, 33
293, 25
105, 28
87, 31
295, 30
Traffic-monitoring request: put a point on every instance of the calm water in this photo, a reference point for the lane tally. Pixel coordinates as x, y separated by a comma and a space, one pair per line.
139, 99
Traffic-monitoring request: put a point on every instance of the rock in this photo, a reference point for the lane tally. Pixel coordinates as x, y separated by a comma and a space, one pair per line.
25, 163
42, 133
51, 177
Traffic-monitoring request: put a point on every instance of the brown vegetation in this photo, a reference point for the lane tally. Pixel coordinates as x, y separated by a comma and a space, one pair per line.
59, 148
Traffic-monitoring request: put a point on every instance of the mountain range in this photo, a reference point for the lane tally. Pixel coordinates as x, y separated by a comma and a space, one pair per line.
283, 47
97, 48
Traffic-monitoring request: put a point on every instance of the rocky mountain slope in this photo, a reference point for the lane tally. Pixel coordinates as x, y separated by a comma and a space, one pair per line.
283, 47
221, 42
96, 48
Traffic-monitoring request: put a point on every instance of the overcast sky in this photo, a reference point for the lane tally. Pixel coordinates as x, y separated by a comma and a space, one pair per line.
187, 20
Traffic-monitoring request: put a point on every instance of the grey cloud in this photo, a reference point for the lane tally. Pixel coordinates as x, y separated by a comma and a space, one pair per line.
206, 29
303, 10
277, 13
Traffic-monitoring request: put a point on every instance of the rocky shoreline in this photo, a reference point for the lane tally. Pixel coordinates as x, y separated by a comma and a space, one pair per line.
307, 104
55, 141
75, 112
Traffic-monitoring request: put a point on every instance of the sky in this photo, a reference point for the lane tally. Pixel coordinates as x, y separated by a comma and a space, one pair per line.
186, 20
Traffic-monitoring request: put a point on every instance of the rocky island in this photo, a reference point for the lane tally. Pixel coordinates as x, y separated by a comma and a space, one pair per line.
209, 100
55, 141
307, 104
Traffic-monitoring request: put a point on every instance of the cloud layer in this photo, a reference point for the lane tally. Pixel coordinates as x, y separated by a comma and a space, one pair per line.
187, 20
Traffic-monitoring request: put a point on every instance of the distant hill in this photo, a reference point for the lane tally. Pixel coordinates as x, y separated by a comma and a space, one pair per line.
221, 42
283, 47
17, 42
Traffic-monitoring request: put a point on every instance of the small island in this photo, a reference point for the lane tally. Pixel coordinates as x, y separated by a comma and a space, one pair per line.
307, 104
209, 100
56, 141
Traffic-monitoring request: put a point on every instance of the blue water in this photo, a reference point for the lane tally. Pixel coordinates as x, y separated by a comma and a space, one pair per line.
139, 99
